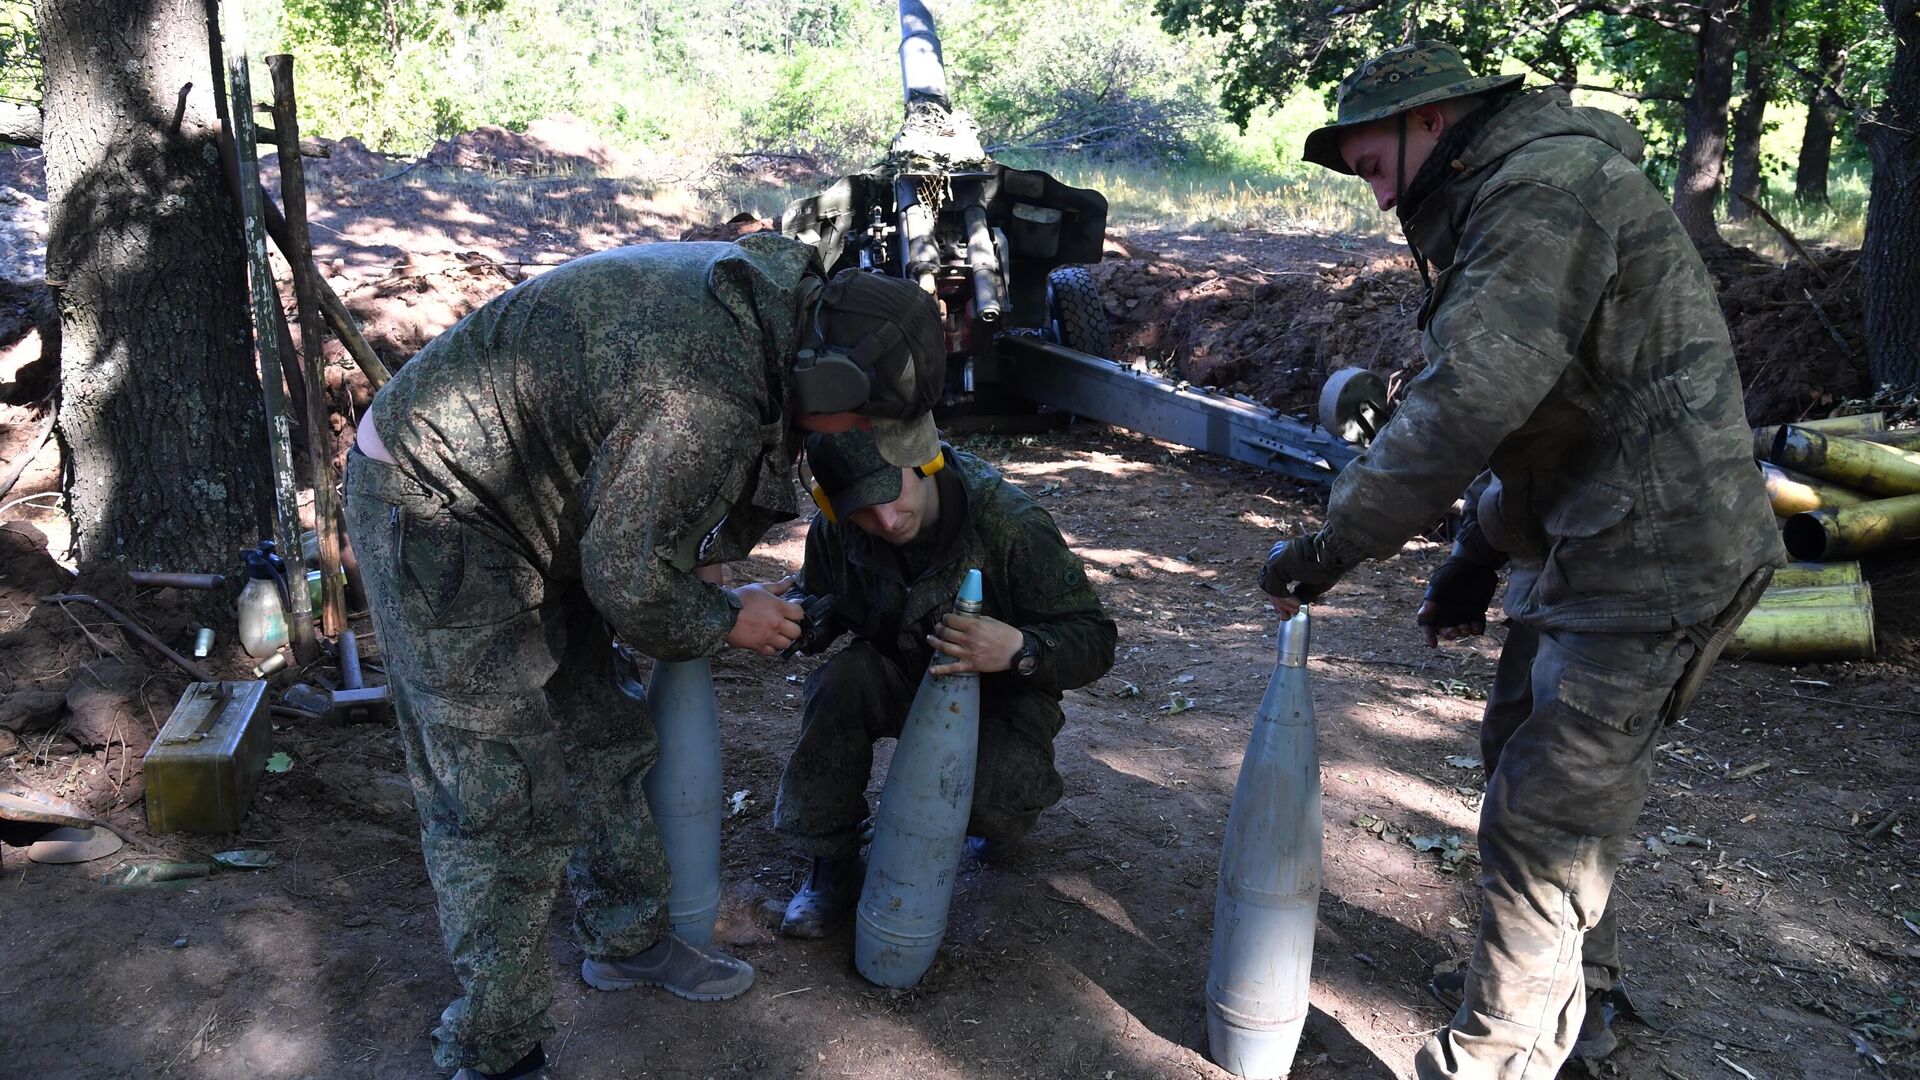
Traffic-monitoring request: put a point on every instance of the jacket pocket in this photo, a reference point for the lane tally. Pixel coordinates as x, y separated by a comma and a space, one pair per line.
1585, 560
1587, 509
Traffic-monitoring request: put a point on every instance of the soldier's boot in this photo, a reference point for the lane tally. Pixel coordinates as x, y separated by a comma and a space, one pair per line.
1596, 1040
680, 969
827, 899
531, 1067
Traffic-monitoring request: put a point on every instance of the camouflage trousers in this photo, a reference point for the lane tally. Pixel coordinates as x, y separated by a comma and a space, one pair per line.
859, 696
1568, 742
525, 758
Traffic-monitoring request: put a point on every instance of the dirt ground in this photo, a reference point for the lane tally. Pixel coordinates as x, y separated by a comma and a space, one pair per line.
1768, 922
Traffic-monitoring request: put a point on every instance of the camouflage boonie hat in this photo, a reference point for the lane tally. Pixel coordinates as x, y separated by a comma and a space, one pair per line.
1415, 74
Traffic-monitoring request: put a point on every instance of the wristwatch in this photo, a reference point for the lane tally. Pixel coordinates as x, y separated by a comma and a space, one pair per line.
1027, 660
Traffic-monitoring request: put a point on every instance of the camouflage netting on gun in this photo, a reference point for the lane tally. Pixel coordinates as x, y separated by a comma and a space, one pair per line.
934, 140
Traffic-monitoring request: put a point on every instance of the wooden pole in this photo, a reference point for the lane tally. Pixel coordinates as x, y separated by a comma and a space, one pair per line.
293, 192
339, 320
266, 310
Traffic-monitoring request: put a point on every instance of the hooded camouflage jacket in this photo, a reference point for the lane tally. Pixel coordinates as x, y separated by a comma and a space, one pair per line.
617, 421
1032, 581
1574, 347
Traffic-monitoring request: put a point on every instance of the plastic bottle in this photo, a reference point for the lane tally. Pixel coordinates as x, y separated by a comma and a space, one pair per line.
263, 619
1269, 891
921, 827
684, 788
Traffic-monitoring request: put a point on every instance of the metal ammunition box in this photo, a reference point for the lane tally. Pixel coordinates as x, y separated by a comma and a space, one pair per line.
202, 771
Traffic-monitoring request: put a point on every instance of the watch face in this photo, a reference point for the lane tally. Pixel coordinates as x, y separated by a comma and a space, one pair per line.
1027, 664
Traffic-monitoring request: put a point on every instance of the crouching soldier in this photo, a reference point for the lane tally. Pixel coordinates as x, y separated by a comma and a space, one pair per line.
890, 547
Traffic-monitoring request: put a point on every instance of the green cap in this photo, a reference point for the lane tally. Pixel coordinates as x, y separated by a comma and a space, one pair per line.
850, 471
1415, 74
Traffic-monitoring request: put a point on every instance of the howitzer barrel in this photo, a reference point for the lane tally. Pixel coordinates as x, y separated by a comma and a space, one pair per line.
988, 297
923, 74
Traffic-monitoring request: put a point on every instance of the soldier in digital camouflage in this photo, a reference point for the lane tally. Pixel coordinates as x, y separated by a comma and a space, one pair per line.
889, 549
572, 462
1576, 353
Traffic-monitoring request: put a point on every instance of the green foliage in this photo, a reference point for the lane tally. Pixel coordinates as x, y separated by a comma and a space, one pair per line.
20, 71
1091, 75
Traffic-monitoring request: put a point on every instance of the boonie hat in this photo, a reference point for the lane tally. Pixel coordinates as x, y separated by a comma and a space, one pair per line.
875, 347
1415, 74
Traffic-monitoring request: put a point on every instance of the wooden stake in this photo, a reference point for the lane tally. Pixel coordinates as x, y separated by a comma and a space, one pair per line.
266, 310
293, 192
339, 320
1791, 240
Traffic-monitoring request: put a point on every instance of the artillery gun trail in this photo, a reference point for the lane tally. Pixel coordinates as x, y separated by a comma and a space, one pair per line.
1004, 251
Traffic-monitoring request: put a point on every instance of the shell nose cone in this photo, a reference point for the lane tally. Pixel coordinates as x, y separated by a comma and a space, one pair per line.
971, 590
1293, 639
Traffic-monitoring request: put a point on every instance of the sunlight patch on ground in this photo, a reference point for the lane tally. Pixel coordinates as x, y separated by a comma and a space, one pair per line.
1104, 464
1112, 557
1080, 888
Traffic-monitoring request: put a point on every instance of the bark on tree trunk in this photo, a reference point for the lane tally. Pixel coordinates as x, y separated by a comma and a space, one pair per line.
159, 409
1749, 121
1816, 143
1890, 258
1704, 153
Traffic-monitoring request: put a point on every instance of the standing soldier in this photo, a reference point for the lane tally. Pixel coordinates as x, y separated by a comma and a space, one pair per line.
570, 462
886, 554
1574, 350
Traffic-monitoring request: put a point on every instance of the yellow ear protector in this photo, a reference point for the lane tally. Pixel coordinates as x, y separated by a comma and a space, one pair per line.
826, 505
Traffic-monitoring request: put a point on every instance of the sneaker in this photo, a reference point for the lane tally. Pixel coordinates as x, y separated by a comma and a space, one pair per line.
992, 850
680, 969
1596, 1039
827, 899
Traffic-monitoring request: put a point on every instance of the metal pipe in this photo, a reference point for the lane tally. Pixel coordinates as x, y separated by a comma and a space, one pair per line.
1851, 531
349, 649
1791, 493
154, 579
140, 633
1864, 466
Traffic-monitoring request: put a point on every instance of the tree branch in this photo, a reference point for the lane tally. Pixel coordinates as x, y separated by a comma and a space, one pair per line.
19, 124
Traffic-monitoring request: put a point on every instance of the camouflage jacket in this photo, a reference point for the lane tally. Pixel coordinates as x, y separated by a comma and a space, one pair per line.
617, 421
1574, 347
1032, 581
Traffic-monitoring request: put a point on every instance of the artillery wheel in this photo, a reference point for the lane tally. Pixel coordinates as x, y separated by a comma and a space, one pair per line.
1353, 405
1076, 317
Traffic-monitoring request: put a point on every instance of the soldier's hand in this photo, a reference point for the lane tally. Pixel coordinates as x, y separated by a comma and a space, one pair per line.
712, 575
974, 643
1456, 603
1296, 572
766, 623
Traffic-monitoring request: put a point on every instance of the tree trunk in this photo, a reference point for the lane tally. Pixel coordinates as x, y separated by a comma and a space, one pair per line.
1890, 258
1703, 155
159, 408
1816, 143
1749, 121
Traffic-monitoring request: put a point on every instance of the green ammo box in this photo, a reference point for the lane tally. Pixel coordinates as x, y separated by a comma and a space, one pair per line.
203, 768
